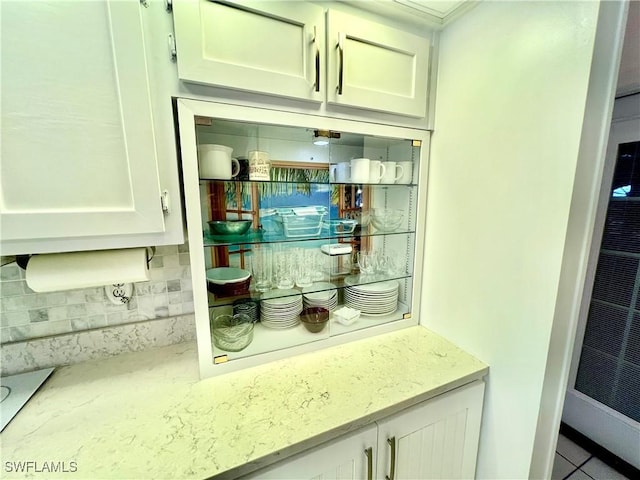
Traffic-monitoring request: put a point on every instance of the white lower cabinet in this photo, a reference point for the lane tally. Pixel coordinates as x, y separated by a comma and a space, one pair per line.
436, 439
348, 457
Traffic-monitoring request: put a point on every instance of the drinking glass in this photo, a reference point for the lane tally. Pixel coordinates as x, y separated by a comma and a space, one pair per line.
302, 267
367, 262
390, 264
319, 263
283, 264
261, 267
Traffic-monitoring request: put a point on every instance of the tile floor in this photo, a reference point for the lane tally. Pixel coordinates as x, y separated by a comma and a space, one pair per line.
575, 463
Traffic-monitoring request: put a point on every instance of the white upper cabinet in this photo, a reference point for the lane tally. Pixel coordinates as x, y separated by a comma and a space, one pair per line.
79, 161
376, 67
298, 50
268, 47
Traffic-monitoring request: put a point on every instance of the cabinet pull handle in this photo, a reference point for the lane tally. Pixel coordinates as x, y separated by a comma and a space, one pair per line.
341, 55
369, 453
392, 471
315, 40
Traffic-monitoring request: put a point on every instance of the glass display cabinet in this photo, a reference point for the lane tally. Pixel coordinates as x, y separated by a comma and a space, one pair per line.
304, 231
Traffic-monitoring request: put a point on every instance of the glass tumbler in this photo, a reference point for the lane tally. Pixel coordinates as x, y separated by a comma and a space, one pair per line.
261, 267
283, 265
303, 267
319, 263
367, 261
393, 263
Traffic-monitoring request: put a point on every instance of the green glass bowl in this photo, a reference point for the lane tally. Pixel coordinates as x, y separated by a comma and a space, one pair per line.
229, 227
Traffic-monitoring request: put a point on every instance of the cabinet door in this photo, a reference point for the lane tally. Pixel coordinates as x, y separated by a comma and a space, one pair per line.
436, 439
265, 47
376, 67
78, 149
350, 457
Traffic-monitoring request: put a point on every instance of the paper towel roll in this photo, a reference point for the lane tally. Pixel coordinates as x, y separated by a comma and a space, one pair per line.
65, 271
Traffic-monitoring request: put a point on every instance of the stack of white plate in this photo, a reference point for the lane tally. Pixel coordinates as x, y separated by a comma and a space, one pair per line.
379, 298
280, 308
320, 294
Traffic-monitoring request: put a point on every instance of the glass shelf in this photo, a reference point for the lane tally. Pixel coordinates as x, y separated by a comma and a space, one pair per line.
257, 237
267, 339
205, 181
338, 281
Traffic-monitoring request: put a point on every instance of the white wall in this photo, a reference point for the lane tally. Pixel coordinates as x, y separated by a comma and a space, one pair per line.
629, 79
512, 87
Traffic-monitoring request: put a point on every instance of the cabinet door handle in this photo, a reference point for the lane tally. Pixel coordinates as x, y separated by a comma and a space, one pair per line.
315, 41
341, 56
392, 471
369, 453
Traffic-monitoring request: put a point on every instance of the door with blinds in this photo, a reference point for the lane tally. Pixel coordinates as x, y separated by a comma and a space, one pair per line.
603, 398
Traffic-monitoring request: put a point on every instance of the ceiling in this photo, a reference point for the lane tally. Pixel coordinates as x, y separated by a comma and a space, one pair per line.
441, 9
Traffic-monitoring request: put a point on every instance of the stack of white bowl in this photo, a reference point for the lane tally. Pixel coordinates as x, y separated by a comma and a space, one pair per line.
321, 294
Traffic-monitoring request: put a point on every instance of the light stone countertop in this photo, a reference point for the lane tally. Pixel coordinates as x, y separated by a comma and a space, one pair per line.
147, 414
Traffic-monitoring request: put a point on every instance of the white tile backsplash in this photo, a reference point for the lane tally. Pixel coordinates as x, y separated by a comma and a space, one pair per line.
39, 330
11, 272
25, 315
93, 344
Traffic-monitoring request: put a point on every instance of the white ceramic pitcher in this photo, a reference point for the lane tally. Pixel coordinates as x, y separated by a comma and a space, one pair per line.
215, 161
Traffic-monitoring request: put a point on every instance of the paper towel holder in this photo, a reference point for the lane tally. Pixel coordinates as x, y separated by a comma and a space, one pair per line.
52, 272
22, 260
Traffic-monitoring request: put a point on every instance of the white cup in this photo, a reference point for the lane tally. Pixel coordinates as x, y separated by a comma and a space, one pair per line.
259, 165
376, 171
393, 172
214, 161
360, 170
332, 172
407, 173
343, 172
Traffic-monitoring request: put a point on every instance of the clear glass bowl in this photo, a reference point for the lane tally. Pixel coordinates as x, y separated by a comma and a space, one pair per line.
387, 219
232, 333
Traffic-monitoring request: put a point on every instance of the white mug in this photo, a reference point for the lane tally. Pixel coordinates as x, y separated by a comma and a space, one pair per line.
393, 172
376, 171
214, 161
407, 173
259, 165
332, 172
343, 172
360, 170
